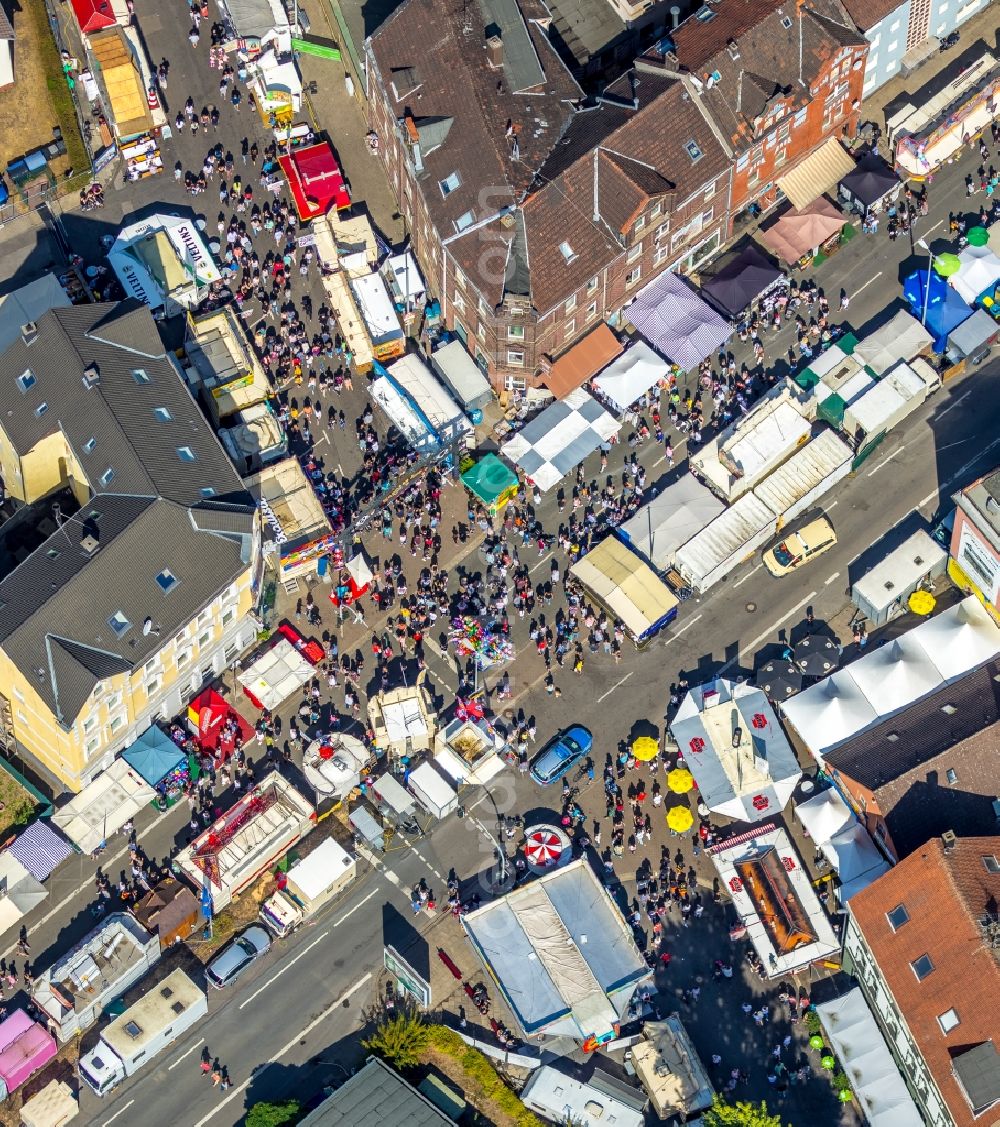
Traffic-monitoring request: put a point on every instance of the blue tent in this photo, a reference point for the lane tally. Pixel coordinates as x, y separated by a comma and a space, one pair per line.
154, 755
945, 309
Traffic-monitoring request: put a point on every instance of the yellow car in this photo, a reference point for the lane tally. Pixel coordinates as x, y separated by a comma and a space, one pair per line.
800, 547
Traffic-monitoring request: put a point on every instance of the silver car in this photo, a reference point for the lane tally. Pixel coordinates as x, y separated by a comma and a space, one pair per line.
236, 956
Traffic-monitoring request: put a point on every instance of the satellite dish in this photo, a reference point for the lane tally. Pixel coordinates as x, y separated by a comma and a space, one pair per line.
147, 626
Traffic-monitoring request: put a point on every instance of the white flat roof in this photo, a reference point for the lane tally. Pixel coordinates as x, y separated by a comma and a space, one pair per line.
314, 874
376, 308
142, 1023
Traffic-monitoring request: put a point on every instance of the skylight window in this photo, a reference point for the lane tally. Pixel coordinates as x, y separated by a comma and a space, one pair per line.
163, 414
693, 151
450, 183
704, 14
897, 917
465, 220
186, 454
922, 967
90, 445
108, 476
948, 1020
568, 253
166, 581
786, 22
26, 380
120, 624
140, 375
207, 491
41, 409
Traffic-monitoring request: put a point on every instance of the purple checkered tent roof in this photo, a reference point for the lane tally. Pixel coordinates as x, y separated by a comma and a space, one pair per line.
41, 850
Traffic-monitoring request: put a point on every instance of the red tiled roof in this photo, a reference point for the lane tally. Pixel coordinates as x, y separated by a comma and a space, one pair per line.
945, 897
697, 40
867, 13
583, 360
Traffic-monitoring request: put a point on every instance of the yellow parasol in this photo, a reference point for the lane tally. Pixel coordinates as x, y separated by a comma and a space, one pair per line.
680, 819
922, 602
645, 748
680, 780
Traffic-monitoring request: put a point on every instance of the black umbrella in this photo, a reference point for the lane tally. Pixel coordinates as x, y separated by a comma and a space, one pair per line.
779, 679
817, 655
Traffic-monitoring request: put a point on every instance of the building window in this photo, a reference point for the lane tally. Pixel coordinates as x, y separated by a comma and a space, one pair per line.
592, 284
183, 658
992, 864
800, 117
514, 383
662, 230
639, 223
742, 161
204, 639
661, 253
693, 151
228, 616
633, 276
449, 183
119, 624
140, 375
591, 310
952, 776
898, 917
655, 210
108, 476
922, 967
515, 359
89, 725
634, 253
89, 445
459, 278
571, 304
207, 492
92, 745
459, 302
18, 694
26, 380
707, 216
570, 329
166, 580
948, 1020
116, 723
568, 253
186, 454
162, 414
515, 332
231, 653
153, 686
41, 409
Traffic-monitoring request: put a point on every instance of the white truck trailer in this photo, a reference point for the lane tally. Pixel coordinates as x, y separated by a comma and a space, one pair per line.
145, 1029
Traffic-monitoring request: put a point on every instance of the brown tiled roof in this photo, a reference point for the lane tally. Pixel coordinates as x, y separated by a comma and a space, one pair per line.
584, 360
698, 41
945, 897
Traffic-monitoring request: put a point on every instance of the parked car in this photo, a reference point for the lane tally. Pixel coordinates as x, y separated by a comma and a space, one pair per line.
800, 547
560, 753
236, 956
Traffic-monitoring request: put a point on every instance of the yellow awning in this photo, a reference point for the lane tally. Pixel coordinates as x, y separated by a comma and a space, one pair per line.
817, 174
122, 81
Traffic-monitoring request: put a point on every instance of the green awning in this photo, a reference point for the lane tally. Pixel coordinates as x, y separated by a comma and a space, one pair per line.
831, 410
489, 478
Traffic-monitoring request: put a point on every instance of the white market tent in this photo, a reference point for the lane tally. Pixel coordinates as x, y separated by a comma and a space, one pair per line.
748, 780
902, 338
402, 414
843, 841
630, 375
627, 587
670, 520
560, 952
275, 675
876, 1082
102, 808
809, 473
406, 273
555, 442
22, 891
431, 400
463, 375
735, 534
876, 686
824, 815
979, 272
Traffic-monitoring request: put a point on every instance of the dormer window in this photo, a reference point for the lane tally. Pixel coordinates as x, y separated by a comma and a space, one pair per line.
693, 150
449, 184
568, 253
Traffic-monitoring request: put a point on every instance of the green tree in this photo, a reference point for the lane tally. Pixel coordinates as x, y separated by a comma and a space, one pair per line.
273, 1115
401, 1041
742, 1113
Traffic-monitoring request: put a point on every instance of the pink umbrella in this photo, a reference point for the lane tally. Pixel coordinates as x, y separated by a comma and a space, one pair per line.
543, 847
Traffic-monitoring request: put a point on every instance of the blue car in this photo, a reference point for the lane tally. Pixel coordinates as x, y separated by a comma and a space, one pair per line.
560, 753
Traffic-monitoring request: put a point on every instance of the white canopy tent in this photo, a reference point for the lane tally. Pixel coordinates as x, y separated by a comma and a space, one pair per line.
960, 638
22, 891
275, 675
102, 808
555, 442
902, 338
896, 674
824, 815
747, 778
430, 398
670, 520
631, 375
979, 272
856, 1039
843, 841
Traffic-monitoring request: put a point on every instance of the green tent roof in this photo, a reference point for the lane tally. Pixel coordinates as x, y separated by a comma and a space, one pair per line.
488, 478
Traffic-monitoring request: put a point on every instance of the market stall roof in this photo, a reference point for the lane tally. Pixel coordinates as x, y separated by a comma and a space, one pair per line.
824, 815
489, 478
971, 335
946, 309
584, 360
122, 81
979, 272
820, 172
630, 375
627, 586
22, 891
315, 180
560, 951
293, 513
915, 664
403, 268
670, 1069
677, 321
333, 765
254, 19
93, 15
402, 413
741, 280
870, 179
462, 374
103, 807
800, 230
555, 442
746, 779
25, 1046
859, 1045
154, 755
429, 398
54, 1106
670, 520
902, 338
774, 897
40, 849
844, 842
276, 674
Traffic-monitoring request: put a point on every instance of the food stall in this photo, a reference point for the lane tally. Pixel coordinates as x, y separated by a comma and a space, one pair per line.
463, 376
333, 766
296, 531
352, 325
403, 721
276, 675
315, 180
437, 796
25, 1047
216, 725
103, 807
734, 535
162, 763
973, 339
308, 886
353, 580
379, 315
629, 375
118, 65
881, 594
431, 401
164, 261
492, 483
468, 750
800, 236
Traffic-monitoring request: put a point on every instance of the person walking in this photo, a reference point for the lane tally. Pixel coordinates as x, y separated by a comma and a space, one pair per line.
205, 1064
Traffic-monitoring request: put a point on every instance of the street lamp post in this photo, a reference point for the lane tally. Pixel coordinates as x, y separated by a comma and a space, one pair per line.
922, 243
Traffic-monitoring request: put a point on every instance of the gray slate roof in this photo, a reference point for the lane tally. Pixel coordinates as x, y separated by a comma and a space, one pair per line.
376, 1097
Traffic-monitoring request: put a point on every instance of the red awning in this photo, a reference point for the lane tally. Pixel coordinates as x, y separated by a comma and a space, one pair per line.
315, 180
92, 15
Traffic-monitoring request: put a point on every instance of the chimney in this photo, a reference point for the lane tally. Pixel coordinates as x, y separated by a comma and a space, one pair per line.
29, 332
675, 16
91, 375
733, 48
494, 52
948, 841
89, 542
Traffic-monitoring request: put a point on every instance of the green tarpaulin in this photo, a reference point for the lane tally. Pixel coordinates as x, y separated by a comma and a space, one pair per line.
489, 479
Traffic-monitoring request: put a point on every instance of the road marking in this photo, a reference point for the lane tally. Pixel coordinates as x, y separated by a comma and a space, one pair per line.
939, 223
193, 1049
749, 575
540, 562
350, 912
323, 1016
951, 406
827, 582
288, 966
393, 879
885, 461
613, 687
687, 626
865, 286
832, 505
117, 1113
